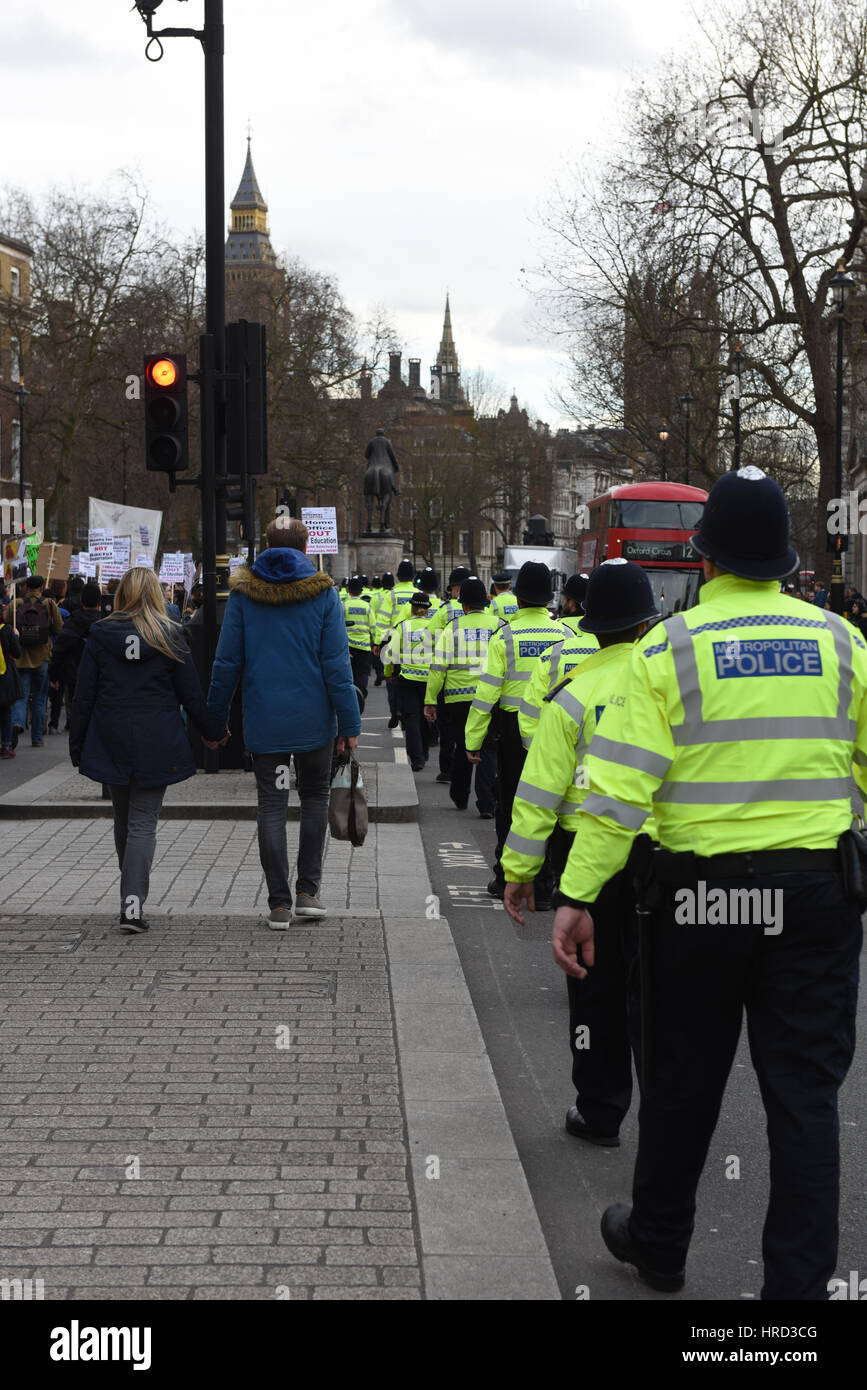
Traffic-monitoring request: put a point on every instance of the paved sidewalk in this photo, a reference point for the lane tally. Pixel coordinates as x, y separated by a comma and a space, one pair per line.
214, 1110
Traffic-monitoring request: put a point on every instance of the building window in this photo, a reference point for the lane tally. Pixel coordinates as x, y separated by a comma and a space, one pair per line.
14, 359
464, 543
15, 282
15, 461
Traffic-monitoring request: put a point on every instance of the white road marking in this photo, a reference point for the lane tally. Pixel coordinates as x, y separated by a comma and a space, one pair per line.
400, 755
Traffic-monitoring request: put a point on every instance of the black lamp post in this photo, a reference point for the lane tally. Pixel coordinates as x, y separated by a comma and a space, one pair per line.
663, 439
22, 395
686, 403
414, 512
452, 542
839, 286
737, 365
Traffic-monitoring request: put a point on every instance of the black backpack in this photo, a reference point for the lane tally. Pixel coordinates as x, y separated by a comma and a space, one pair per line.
34, 628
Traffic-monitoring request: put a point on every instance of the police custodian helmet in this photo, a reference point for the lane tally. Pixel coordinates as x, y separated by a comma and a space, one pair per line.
745, 527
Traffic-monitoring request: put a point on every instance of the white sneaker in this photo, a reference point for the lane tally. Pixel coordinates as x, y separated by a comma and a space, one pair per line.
279, 918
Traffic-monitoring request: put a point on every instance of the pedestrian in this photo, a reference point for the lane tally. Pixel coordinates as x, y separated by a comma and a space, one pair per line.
740, 739
10, 681
72, 598
458, 661
513, 652
37, 620
126, 729
820, 597
618, 608
360, 632
284, 638
197, 598
405, 660
69, 645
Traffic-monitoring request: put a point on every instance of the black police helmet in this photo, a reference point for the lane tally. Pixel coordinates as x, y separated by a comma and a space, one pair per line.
419, 600
356, 584
388, 580
473, 593
533, 584
618, 597
502, 578
429, 580
745, 527
575, 587
405, 571
458, 575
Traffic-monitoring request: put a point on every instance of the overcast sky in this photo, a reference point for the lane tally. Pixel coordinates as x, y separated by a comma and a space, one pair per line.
406, 148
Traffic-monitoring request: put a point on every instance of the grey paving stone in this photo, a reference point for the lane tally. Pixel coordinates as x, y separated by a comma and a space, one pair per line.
468, 1278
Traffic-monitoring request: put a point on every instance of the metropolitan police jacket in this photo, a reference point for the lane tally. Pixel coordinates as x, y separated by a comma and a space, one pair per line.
746, 717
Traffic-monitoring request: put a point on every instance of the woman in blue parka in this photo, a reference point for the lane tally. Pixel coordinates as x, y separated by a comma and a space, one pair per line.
126, 729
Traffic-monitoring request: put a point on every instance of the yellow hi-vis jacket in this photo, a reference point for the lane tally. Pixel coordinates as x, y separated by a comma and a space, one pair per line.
746, 716
558, 662
444, 614
513, 652
409, 647
405, 609
571, 621
505, 605
554, 781
459, 656
380, 607
360, 623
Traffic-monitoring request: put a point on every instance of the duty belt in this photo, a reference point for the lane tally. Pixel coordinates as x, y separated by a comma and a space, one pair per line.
679, 868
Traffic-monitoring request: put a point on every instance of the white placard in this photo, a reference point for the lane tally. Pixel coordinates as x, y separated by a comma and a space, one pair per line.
100, 543
144, 535
73, 565
235, 562
172, 569
144, 561
112, 569
86, 566
121, 550
321, 522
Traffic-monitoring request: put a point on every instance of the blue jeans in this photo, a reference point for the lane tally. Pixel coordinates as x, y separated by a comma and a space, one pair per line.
34, 682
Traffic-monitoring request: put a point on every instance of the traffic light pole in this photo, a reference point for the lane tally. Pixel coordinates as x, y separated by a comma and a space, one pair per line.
214, 462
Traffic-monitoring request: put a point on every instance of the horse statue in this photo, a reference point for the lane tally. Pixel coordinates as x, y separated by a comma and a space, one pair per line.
380, 479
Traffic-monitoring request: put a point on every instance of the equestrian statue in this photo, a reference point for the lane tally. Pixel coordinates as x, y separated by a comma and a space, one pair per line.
380, 479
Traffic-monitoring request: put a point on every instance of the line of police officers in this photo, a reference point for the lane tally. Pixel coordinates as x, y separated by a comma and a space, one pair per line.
725, 747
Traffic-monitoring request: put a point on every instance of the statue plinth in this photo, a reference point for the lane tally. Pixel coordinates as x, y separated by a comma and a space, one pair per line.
374, 553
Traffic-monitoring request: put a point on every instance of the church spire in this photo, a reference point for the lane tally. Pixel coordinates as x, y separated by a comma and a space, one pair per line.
447, 357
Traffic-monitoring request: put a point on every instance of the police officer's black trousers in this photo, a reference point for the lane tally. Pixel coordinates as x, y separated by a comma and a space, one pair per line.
603, 1007
360, 663
799, 990
410, 702
511, 756
462, 769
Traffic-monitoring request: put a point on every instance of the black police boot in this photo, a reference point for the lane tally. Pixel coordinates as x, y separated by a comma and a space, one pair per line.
394, 721
615, 1233
497, 888
577, 1126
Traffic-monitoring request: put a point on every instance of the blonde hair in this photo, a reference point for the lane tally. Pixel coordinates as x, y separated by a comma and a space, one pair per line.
140, 599
287, 531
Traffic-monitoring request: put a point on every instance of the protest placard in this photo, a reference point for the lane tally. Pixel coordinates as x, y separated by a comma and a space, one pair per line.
321, 522
100, 543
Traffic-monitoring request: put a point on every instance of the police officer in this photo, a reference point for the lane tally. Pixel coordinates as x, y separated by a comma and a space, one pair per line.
746, 716
618, 607
360, 632
458, 661
383, 624
406, 659
513, 652
403, 590
452, 606
552, 668
570, 605
504, 603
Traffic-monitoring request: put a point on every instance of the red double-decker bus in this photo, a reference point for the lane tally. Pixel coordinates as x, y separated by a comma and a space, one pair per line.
650, 523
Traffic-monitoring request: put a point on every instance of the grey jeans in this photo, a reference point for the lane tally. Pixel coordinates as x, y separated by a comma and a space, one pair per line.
313, 770
136, 814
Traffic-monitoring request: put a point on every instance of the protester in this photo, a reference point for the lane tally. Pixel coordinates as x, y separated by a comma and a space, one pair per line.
10, 681
126, 728
69, 646
284, 638
37, 619
72, 598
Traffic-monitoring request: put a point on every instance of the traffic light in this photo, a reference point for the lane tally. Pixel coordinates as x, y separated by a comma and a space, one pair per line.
246, 419
165, 396
837, 544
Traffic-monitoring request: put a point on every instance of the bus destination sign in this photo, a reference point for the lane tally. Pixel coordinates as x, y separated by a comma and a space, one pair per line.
658, 550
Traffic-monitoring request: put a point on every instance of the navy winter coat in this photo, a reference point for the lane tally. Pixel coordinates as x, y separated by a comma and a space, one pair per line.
284, 637
125, 723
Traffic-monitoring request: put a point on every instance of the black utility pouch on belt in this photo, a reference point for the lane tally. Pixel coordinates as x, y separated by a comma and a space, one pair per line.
852, 848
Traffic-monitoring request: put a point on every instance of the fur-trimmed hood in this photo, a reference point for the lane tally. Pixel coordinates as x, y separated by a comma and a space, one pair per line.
280, 575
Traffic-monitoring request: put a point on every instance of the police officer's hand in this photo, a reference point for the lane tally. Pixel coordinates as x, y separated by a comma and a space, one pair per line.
514, 895
474, 757
430, 713
573, 927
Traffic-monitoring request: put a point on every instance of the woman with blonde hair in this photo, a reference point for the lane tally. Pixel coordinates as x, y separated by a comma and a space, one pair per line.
125, 727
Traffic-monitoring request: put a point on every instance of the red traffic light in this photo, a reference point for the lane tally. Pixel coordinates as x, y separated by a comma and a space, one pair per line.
163, 372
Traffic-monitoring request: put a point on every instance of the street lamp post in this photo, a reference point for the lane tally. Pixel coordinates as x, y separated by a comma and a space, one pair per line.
452, 542
737, 364
414, 512
22, 397
686, 402
838, 286
663, 439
